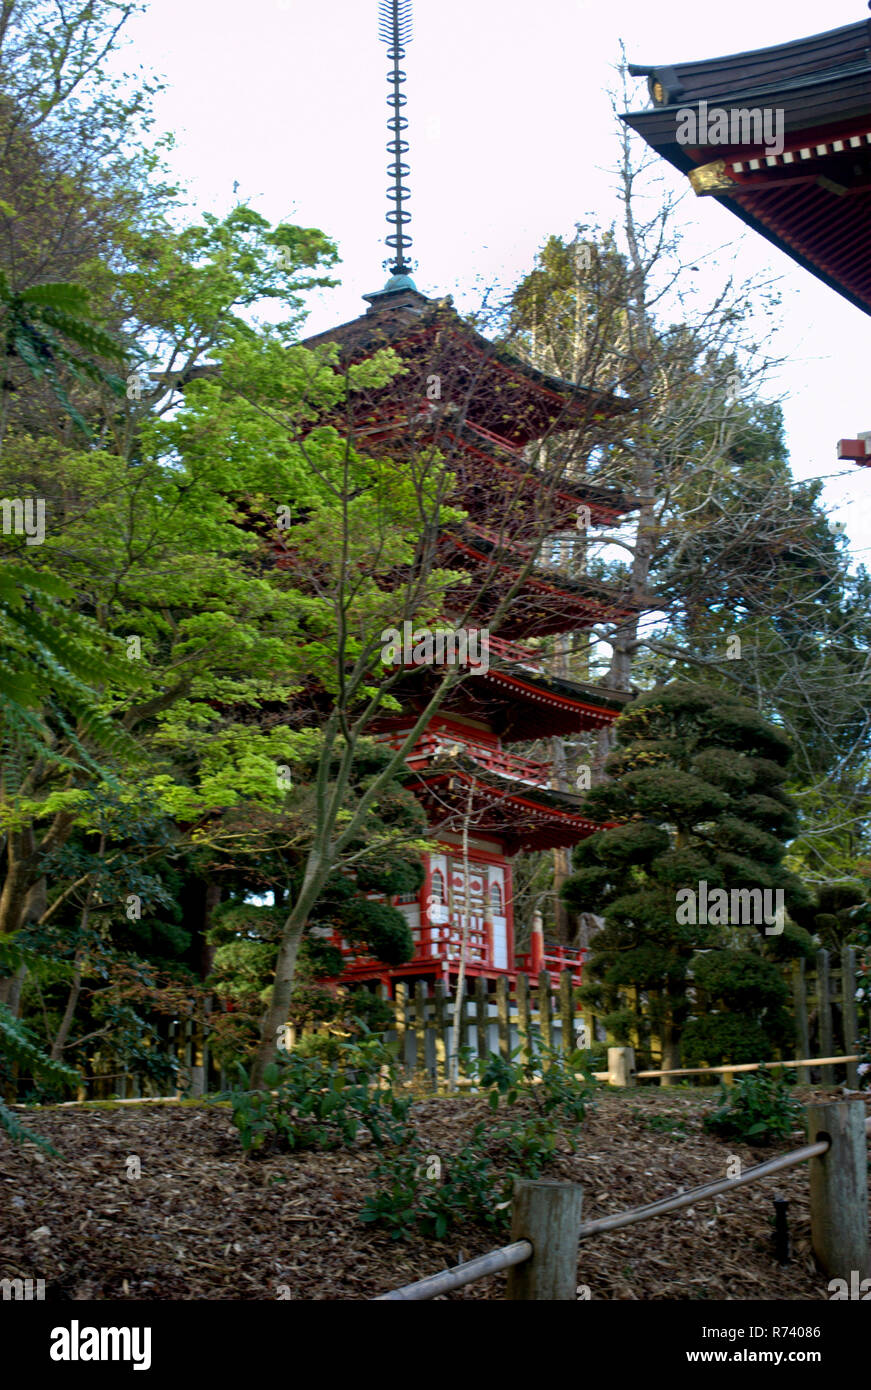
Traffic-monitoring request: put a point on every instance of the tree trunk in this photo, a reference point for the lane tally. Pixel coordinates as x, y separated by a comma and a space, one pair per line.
464, 944
66, 1022
670, 1049
316, 872
20, 869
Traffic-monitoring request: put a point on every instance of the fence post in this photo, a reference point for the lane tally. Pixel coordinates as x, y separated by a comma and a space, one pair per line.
400, 1023
621, 1066
198, 1060
420, 1031
548, 1215
824, 1014
849, 1019
524, 1028
441, 1050
839, 1188
482, 1017
566, 1013
799, 1003
503, 1015
544, 1009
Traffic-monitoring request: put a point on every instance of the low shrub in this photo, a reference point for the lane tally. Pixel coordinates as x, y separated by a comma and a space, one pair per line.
758, 1109
538, 1102
321, 1102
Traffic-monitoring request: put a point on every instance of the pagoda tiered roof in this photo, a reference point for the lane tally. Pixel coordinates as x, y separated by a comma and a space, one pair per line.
489, 384
491, 474
812, 196
546, 602
517, 697
511, 795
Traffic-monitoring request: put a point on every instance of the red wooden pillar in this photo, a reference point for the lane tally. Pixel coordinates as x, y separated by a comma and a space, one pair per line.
508, 909
537, 946
487, 915
424, 902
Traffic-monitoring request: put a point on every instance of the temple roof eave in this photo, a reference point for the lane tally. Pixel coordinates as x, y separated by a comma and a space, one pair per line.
808, 192
377, 329
529, 816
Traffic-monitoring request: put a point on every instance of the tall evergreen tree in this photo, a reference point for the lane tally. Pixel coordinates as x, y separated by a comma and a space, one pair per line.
696, 805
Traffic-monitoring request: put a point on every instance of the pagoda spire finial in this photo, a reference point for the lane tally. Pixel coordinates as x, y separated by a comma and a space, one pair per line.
394, 29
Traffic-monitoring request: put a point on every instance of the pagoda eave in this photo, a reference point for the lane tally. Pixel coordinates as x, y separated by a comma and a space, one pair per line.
495, 386
523, 817
517, 702
807, 188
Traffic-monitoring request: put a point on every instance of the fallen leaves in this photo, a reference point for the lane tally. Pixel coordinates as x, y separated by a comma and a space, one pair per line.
204, 1223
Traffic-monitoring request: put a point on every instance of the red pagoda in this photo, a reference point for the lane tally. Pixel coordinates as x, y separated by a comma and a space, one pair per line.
493, 408
487, 410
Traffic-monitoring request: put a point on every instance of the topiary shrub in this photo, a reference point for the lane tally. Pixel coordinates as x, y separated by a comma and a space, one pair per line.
743, 1015
718, 1038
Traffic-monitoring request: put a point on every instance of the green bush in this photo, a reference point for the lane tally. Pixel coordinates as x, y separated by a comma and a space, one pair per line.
758, 1109
717, 1038
428, 1193
673, 1125
316, 1102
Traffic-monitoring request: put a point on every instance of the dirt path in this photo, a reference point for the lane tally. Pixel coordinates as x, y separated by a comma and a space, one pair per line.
202, 1223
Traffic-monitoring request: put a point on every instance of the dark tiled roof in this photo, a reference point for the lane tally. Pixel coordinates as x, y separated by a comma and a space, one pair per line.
812, 197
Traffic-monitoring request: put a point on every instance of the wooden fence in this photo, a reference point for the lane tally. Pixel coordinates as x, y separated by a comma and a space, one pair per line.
546, 1227
825, 1009
501, 1018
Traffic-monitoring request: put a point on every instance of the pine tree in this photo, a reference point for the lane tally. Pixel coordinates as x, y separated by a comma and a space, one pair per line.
695, 804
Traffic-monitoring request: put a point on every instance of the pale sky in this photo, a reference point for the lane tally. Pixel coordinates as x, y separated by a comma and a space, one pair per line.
511, 139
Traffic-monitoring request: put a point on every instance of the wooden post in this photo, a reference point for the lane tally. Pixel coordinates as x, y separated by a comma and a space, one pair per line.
208, 1059
459, 1034
621, 1066
441, 1048
839, 1189
799, 1001
536, 944
524, 1025
848, 1012
544, 1009
420, 1031
198, 1069
188, 1053
482, 1017
400, 1022
503, 1017
566, 1013
824, 1013
548, 1214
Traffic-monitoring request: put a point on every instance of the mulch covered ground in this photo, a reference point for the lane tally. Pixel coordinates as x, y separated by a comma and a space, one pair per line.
204, 1223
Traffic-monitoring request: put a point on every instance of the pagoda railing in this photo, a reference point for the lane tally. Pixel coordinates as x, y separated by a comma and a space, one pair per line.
513, 765
443, 941
517, 655
554, 959
435, 940
492, 438
398, 419
511, 546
